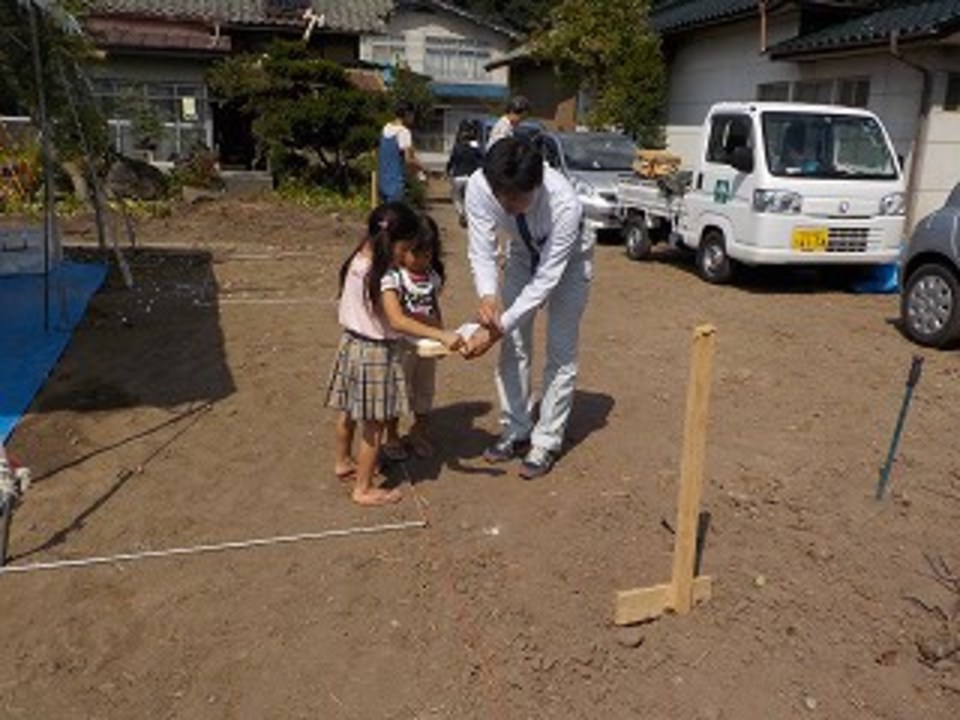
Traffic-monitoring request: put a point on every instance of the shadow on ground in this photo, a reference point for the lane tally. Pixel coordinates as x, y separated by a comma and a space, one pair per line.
159, 344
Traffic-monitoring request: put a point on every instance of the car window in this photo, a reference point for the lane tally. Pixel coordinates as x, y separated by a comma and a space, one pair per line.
827, 146
550, 152
598, 152
727, 133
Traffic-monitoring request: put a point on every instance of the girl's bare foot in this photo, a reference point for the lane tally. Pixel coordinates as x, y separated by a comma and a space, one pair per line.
345, 471
376, 496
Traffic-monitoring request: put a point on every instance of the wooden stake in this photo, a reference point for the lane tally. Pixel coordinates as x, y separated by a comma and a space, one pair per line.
684, 590
691, 467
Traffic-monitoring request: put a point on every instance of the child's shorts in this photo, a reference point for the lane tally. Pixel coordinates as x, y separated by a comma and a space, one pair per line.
367, 380
421, 374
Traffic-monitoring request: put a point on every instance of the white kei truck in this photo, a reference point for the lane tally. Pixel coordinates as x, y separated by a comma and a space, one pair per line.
775, 184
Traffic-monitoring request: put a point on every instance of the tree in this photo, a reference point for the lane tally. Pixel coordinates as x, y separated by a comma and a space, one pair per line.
608, 48
308, 118
63, 51
415, 89
522, 14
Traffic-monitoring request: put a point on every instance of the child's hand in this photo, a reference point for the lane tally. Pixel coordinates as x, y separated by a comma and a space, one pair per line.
452, 341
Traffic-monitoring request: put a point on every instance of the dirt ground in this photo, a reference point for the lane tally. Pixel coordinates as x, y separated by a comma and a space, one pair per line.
189, 411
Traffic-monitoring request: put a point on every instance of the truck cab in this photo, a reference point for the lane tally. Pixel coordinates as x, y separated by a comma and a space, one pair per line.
790, 183
781, 183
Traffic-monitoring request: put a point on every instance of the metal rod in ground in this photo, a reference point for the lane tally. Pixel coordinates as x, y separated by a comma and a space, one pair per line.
218, 547
916, 368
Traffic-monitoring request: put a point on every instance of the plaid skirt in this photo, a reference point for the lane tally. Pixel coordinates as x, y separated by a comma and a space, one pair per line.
367, 380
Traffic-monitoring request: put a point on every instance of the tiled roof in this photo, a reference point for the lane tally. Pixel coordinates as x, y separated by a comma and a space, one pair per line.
355, 15
676, 15
473, 17
359, 16
344, 15
911, 20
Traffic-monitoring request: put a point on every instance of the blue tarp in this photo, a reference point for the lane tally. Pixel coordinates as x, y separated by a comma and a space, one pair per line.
28, 352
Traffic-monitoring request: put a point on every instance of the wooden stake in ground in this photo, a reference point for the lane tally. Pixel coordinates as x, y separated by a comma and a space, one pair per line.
684, 590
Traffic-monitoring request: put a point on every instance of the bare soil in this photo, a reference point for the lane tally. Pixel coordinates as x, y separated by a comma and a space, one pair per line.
189, 411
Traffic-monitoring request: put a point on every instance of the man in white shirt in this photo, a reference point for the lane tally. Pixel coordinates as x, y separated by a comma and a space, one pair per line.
549, 262
517, 109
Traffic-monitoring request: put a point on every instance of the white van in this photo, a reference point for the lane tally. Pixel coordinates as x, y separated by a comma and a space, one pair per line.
776, 183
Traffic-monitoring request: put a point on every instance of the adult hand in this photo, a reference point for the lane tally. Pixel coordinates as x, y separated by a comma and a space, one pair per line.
488, 313
452, 341
478, 344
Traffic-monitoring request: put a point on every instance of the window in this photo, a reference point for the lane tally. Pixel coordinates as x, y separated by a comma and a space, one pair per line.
727, 133
813, 91
853, 92
456, 59
952, 99
773, 92
548, 148
181, 110
827, 146
388, 50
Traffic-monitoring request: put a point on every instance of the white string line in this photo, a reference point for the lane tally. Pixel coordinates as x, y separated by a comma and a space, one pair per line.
197, 549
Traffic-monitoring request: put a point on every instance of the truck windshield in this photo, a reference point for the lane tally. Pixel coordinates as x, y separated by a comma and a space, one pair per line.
600, 151
827, 146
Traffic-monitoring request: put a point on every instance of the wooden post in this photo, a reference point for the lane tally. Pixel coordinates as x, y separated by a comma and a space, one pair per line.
691, 467
684, 590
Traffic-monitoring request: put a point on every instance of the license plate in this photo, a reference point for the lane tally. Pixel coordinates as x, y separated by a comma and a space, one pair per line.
810, 239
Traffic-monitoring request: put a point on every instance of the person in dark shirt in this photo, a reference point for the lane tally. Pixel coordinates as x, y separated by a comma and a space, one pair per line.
465, 157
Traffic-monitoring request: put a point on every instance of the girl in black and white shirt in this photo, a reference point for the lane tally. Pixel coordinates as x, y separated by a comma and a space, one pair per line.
415, 283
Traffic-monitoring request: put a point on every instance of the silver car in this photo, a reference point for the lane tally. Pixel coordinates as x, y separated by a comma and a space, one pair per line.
593, 161
930, 297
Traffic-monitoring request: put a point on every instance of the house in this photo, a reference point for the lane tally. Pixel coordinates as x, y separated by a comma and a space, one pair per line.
899, 59
554, 100
453, 48
157, 55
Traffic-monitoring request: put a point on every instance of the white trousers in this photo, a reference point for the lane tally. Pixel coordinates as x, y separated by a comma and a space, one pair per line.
565, 307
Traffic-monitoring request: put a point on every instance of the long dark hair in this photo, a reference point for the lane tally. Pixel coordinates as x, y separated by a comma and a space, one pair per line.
428, 240
387, 225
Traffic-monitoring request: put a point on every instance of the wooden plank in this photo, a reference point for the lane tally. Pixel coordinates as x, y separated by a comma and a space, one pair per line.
691, 467
642, 604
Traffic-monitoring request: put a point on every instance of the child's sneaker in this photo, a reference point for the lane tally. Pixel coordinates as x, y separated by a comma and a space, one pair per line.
394, 451
505, 448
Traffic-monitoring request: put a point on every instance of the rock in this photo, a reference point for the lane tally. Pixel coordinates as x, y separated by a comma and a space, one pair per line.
760, 581
135, 179
630, 637
810, 702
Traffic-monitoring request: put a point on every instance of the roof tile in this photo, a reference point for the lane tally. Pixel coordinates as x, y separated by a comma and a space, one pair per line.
912, 20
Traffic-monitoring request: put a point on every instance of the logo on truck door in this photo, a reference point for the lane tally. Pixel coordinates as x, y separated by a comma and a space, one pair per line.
721, 192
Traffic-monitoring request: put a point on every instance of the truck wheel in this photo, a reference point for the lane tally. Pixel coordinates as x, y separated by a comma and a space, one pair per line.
930, 306
713, 263
637, 239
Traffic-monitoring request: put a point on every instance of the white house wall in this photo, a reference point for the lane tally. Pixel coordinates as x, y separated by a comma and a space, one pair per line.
417, 26
715, 64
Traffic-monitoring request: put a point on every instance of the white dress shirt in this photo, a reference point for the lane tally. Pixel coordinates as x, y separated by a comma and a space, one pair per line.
554, 222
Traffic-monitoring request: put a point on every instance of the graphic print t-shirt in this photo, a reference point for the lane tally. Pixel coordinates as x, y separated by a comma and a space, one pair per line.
418, 293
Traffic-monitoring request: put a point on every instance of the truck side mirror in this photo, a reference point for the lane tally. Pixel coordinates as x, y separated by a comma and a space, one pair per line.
741, 159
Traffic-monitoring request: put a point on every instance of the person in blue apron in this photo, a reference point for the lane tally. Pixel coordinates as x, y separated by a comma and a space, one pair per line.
395, 155
549, 264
